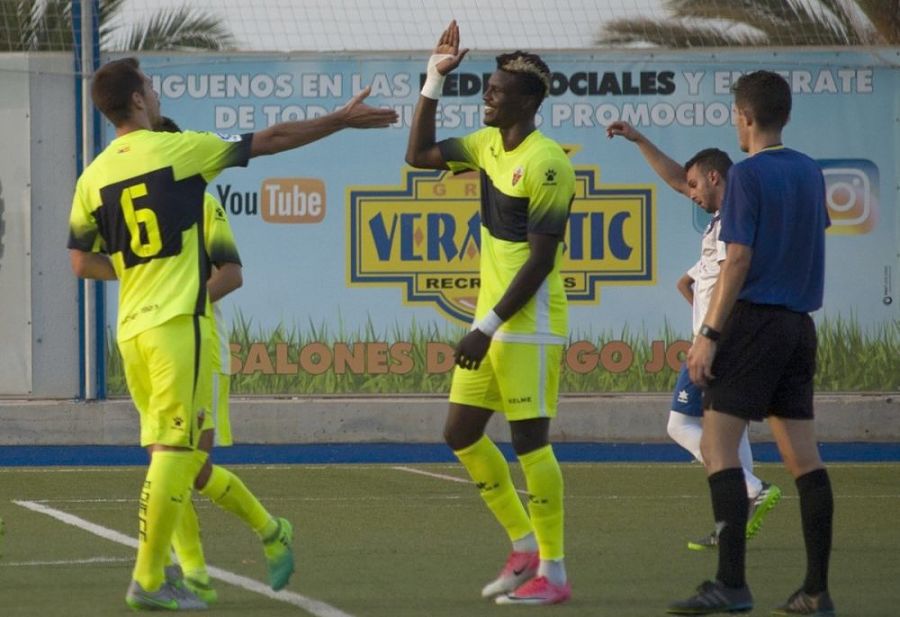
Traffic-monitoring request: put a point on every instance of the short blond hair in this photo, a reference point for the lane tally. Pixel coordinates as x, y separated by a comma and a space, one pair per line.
530, 66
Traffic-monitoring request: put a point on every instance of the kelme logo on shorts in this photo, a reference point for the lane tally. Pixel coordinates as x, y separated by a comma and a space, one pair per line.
424, 237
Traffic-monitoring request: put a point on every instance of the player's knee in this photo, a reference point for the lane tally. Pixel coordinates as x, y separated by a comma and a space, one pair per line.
801, 465
203, 476
673, 427
458, 438
465, 425
707, 453
684, 430
530, 435
206, 441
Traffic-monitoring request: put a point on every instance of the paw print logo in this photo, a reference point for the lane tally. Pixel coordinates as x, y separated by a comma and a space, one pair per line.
550, 174
178, 422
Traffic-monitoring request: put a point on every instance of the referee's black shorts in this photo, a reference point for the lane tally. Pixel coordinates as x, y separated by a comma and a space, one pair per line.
764, 364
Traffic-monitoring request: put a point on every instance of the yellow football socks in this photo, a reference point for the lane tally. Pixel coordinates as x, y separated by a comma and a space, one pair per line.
227, 491
165, 491
490, 471
186, 542
545, 500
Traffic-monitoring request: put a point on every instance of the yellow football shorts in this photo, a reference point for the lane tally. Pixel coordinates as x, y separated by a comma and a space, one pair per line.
220, 418
168, 370
520, 380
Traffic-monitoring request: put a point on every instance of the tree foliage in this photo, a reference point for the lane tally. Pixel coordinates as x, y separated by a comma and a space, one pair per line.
780, 23
47, 25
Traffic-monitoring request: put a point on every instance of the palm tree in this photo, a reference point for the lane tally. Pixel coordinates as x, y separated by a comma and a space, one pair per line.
46, 25
721, 23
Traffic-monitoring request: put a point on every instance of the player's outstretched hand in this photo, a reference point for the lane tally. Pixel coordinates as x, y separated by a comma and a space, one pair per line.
448, 45
358, 115
624, 129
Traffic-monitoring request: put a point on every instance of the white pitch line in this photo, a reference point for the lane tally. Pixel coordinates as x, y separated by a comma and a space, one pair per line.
66, 562
292, 467
202, 504
95, 500
441, 476
431, 474
310, 605
70, 519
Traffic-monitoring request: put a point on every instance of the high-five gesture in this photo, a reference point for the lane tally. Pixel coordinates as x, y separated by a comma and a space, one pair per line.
354, 114
358, 115
509, 360
448, 47
445, 58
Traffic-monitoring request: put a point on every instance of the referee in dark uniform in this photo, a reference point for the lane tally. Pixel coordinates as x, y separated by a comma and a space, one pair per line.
756, 351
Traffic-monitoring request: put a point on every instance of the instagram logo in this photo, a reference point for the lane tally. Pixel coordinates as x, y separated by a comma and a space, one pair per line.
851, 193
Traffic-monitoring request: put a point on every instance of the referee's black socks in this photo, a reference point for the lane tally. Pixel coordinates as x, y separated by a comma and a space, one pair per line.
816, 514
730, 505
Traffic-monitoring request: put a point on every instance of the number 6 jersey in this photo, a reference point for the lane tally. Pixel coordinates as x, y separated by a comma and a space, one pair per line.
141, 202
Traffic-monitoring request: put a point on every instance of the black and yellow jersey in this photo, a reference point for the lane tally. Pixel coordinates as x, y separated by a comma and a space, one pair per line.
222, 249
528, 190
218, 237
141, 202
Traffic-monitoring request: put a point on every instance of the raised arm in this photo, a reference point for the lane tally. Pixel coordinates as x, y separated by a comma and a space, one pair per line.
289, 135
421, 150
667, 169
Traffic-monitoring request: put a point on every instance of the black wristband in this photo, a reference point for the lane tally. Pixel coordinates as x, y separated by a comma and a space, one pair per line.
709, 333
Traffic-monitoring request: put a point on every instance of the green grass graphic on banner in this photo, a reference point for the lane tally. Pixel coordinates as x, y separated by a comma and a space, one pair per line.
416, 358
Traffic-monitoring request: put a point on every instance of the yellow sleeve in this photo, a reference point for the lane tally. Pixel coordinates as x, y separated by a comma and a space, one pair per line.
84, 234
465, 153
212, 152
550, 183
217, 234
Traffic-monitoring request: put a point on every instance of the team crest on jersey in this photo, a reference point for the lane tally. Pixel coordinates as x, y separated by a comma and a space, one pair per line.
424, 238
517, 175
229, 138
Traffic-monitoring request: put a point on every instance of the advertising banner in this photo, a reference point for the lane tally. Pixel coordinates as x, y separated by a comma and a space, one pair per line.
361, 273
15, 232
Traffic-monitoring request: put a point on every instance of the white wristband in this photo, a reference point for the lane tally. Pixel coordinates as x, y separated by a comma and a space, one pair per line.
489, 323
434, 81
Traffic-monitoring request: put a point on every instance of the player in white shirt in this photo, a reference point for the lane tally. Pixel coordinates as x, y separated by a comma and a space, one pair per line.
702, 179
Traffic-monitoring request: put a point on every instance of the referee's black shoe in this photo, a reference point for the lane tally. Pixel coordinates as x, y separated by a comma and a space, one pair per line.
714, 597
802, 603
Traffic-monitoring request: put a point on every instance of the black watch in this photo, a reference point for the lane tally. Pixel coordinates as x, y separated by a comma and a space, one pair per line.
709, 333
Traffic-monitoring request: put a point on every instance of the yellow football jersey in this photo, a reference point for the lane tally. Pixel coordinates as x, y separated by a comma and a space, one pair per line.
526, 190
141, 202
